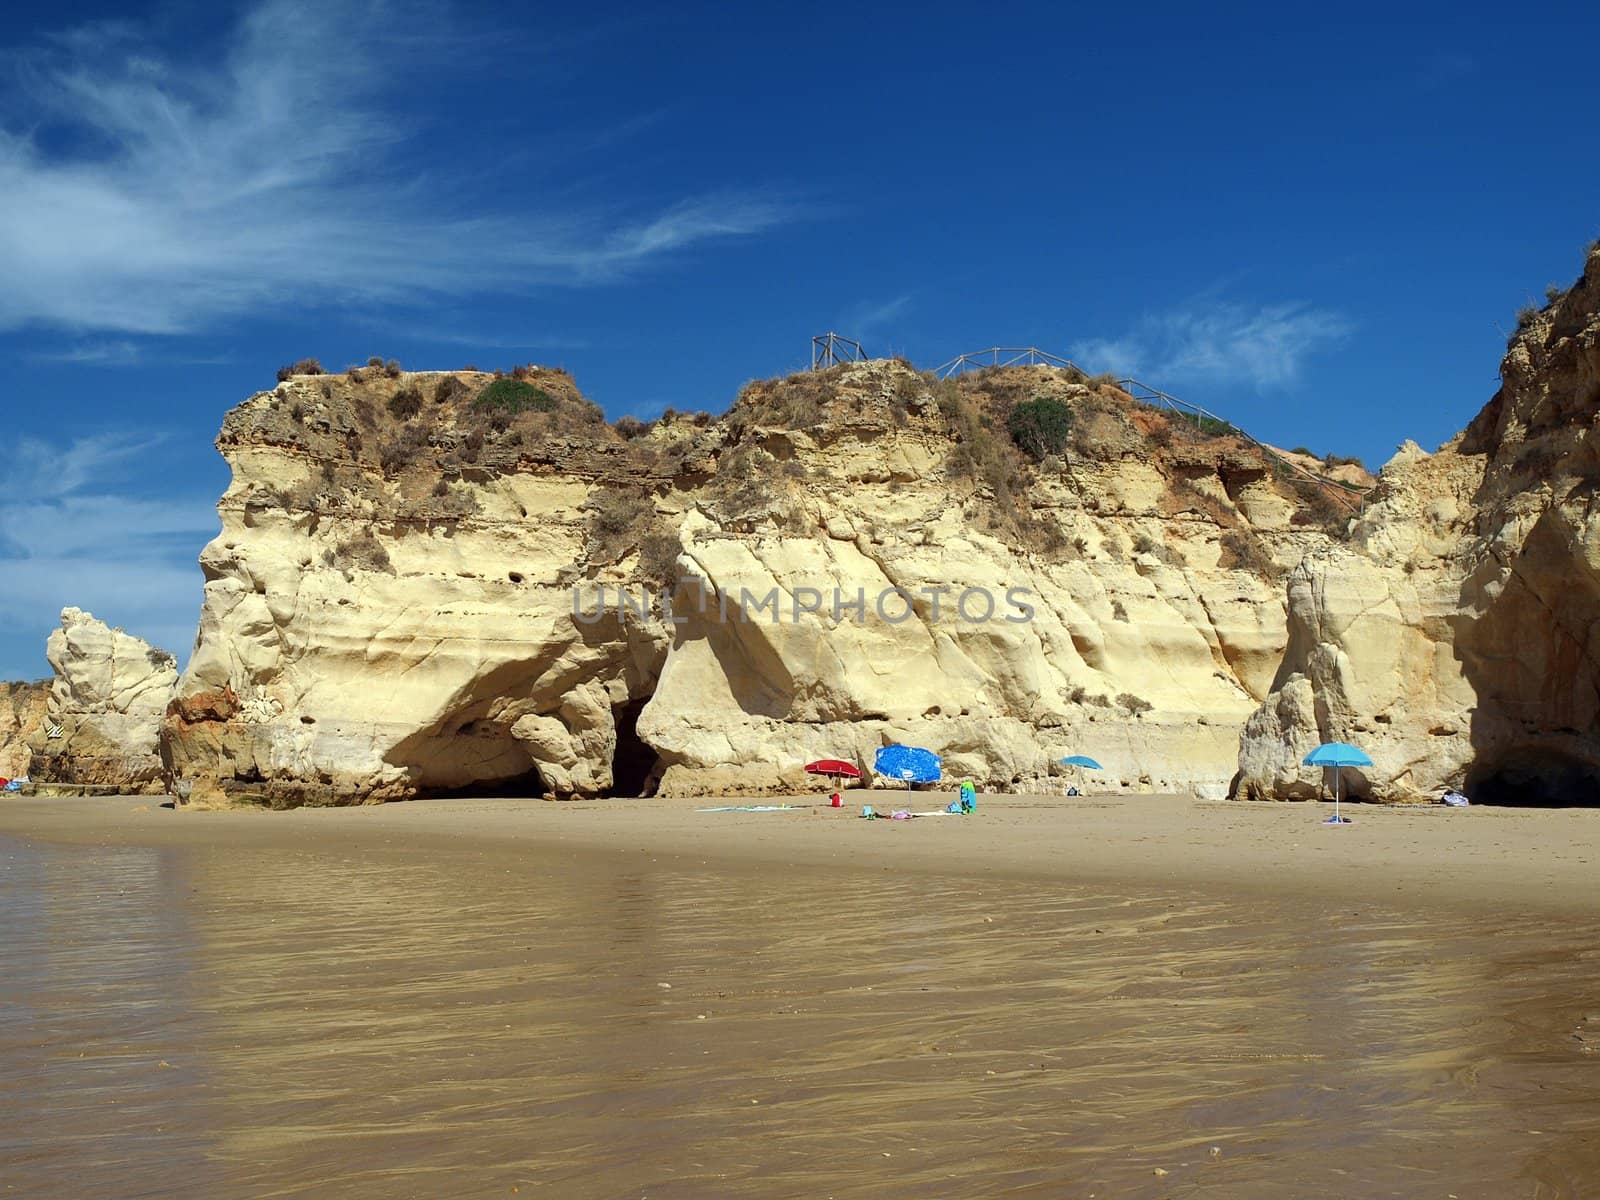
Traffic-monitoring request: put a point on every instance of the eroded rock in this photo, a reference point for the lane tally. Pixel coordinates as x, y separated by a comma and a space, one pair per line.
103, 716
414, 593
1457, 637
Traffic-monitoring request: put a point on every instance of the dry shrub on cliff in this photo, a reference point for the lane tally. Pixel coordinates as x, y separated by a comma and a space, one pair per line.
910, 393
1000, 389
304, 366
742, 490
361, 552
619, 517
1136, 705
401, 453
406, 403
447, 388
1243, 550
574, 415
980, 455
1317, 507
798, 401
658, 557
630, 427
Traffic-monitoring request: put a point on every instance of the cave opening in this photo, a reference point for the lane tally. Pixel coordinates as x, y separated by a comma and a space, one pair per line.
527, 786
1534, 777
634, 764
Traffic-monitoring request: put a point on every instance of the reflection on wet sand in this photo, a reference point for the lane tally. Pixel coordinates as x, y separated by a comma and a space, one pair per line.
479, 1022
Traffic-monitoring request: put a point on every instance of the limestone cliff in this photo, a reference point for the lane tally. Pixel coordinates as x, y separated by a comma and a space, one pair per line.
416, 587
103, 716
22, 716
1454, 635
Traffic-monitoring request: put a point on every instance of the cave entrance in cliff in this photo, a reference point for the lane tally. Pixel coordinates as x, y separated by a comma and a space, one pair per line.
527, 786
1533, 777
634, 764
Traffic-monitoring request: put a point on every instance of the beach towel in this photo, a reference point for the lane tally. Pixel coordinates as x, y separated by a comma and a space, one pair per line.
747, 808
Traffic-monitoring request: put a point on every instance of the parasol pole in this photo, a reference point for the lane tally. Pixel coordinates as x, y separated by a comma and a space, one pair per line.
1338, 772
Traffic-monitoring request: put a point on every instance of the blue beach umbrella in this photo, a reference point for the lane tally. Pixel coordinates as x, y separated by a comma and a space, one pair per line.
911, 763
1337, 755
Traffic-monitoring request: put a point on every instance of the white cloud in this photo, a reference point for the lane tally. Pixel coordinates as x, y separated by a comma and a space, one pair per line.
117, 353
37, 468
192, 193
71, 537
1220, 341
865, 318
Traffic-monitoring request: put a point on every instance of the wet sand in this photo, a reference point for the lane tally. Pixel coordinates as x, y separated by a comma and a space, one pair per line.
1495, 860
1058, 998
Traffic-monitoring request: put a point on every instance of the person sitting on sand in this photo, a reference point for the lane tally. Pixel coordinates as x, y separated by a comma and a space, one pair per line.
969, 796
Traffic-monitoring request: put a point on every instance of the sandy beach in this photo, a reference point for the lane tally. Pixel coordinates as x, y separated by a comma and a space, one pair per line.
1499, 860
1132, 997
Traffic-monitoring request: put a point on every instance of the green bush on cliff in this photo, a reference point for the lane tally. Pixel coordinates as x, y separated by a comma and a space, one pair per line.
1040, 426
514, 396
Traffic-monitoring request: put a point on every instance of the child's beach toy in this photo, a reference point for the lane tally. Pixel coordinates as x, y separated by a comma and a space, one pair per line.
866, 811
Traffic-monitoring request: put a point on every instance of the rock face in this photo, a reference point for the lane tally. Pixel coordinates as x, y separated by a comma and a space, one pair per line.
416, 588
22, 717
1456, 636
387, 609
103, 719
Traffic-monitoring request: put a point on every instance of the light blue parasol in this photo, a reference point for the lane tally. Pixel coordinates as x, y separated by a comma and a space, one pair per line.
1337, 755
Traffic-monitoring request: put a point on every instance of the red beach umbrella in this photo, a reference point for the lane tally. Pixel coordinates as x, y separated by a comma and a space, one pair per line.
835, 767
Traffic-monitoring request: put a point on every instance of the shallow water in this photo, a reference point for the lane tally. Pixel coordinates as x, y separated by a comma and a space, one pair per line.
250, 1022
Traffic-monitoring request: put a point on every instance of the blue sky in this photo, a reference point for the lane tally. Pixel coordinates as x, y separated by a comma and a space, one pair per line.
1319, 225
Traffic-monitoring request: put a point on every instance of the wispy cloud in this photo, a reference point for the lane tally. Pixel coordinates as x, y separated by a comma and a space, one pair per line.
118, 353
1217, 340
73, 533
122, 352
869, 317
492, 339
168, 196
